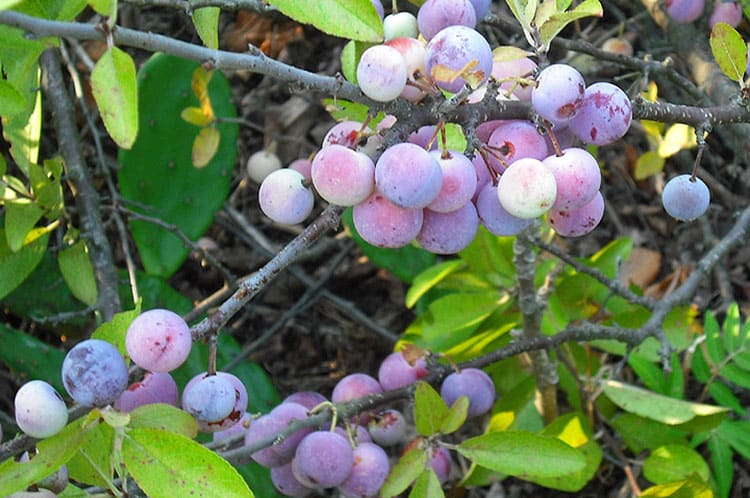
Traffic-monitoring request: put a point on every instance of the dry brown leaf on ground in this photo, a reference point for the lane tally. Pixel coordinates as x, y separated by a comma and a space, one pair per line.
269, 35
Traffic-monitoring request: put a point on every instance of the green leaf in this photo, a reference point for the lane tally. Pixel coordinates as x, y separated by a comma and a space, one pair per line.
206, 21
6, 4
523, 454
663, 409
455, 316
729, 50
21, 216
351, 19
429, 278
456, 416
524, 11
575, 430
409, 467
157, 172
92, 463
690, 488
114, 331
107, 8
641, 433
723, 395
737, 434
53, 453
350, 55
165, 464
113, 85
427, 486
649, 163
78, 272
557, 22
674, 463
16, 266
733, 335
429, 410
721, 463
11, 100
164, 417
31, 358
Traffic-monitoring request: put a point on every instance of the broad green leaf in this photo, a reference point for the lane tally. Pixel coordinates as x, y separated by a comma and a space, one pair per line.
557, 22
674, 463
677, 137
649, 163
516, 409
6, 4
690, 488
342, 110
456, 416
429, 410
53, 453
206, 22
72, 491
350, 56
11, 100
409, 467
114, 331
429, 278
351, 19
78, 272
16, 266
113, 85
490, 255
721, 464
20, 217
205, 146
455, 316
164, 417
427, 486
729, 50
523, 454
575, 430
657, 407
31, 358
454, 137
92, 463
165, 464
640, 433
107, 8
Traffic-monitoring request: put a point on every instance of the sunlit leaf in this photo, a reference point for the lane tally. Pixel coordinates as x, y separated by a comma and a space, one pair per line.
113, 84
729, 50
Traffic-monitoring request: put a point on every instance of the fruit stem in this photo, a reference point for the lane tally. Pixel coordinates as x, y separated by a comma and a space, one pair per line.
701, 148
553, 138
212, 346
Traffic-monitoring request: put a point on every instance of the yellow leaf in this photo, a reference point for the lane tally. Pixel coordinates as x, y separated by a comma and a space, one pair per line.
678, 136
195, 116
205, 146
648, 164
201, 79
441, 72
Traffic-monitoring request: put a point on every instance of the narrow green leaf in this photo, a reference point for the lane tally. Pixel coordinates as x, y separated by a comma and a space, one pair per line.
723, 395
721, 463
456, 416
655, 406
165, 464
29, 357
430, 278
427, 486
737, 434
429, 410
114, 331
729, 50
699, 366
164, 417
206, 21
78, 272
113, 85
16, 266
736, 375
674, 463
557, 22
11, 100
20, 217
53, 453
409, 467
523, 454
351, 19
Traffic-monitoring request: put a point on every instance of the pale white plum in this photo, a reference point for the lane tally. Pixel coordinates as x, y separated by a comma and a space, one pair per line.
577, 176
343, 176
382, 73
40, 411
284, 197
605, 115
302, 166
400, 24
435, 15
685, 11
383, 224
458, 55
368, 473
493, 215
156, 387
449, 233
727, 12
685, 197
513, 140
579, 221
261, 164
413, 51
509, 72
459, 181
527, 189
559, 93
408, 175
158, 340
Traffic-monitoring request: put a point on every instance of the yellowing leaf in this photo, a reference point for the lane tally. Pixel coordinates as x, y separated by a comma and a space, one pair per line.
195, 116
441, 72
205, 146
649, 163
113, 84
507, 53
729, 50
678, 136
199, 83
